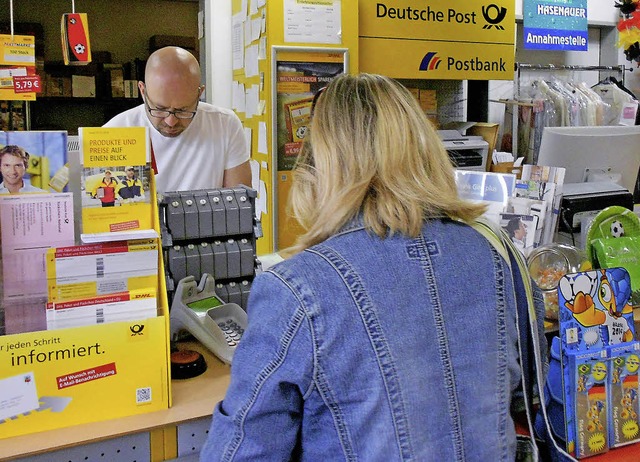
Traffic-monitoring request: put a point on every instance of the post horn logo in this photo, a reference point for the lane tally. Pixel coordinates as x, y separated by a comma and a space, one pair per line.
494, 15
430, 62
136, 329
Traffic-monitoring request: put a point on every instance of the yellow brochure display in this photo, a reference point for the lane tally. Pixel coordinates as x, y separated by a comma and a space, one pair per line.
59, 378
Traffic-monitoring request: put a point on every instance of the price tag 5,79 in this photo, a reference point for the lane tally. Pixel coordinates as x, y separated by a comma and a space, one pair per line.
26, 83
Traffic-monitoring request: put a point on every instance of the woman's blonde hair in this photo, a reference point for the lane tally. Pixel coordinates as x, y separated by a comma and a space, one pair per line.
372, 150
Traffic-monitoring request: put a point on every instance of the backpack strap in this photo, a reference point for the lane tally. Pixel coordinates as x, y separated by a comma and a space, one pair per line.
529, 324
494, 236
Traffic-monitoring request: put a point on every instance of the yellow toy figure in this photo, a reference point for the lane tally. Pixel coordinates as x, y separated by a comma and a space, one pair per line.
628, 404
593, 414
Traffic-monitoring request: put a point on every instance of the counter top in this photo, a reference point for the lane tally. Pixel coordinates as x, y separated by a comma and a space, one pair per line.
192, 399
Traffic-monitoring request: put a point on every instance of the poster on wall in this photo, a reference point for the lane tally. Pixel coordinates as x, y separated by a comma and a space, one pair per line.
550, 25
297, 75
298, 78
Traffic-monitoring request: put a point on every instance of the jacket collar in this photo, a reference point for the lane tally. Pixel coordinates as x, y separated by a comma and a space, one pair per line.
355, 224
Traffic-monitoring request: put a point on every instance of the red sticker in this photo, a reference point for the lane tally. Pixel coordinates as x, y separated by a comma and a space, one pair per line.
26, 84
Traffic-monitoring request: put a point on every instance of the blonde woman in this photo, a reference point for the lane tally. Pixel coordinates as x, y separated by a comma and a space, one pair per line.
389, 334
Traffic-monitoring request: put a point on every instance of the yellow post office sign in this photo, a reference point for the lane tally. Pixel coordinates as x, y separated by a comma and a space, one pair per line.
17, 50
438, 39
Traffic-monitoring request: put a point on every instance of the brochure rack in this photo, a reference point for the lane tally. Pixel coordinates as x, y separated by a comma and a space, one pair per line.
59, 378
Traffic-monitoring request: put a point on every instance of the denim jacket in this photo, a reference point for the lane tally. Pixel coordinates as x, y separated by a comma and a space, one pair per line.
370, 349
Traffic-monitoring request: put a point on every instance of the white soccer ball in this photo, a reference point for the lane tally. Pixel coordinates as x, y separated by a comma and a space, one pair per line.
617, 230
79, 48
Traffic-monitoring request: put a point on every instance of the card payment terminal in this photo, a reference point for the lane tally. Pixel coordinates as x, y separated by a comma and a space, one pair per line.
217, 325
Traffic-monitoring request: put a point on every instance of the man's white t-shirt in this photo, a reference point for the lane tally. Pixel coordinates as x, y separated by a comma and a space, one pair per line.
26, 188
197, 158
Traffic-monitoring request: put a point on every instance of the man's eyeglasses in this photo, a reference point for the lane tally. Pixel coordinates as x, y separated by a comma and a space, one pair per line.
164, 113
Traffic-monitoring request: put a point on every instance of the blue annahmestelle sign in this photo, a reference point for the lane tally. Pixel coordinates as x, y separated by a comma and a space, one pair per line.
555, 25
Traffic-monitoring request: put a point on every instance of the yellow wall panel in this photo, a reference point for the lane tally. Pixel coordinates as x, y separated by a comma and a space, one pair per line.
411, 59
279, 230
439, 39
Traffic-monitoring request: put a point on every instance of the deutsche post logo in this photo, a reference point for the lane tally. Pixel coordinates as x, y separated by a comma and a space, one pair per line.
136, 329
494, 15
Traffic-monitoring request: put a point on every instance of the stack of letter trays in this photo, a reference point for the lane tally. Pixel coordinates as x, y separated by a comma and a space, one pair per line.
211, 231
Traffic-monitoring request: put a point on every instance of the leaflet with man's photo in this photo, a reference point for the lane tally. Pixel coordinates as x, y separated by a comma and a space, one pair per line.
543, 191
521, 229
526, 206
115, 179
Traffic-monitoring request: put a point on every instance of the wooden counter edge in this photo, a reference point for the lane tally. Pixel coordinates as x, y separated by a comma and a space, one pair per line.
192, 399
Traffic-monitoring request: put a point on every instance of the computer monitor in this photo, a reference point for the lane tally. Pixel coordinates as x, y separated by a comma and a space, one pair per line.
600, 153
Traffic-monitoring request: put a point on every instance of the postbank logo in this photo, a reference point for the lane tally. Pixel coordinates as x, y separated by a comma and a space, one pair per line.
430, 62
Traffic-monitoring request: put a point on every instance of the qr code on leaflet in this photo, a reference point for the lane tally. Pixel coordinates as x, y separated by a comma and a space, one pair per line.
143, 395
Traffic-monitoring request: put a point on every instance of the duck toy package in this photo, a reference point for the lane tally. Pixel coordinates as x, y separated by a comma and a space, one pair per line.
596, 326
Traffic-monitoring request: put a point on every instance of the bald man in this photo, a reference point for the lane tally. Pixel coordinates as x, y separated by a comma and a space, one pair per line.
196, 145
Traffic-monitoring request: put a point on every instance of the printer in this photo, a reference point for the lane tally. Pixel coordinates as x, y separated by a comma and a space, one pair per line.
466, 152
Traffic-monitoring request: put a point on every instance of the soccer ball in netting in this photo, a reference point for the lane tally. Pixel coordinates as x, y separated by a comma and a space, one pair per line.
617, 230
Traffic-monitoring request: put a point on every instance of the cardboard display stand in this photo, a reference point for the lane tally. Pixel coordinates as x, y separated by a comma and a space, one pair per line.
59, 378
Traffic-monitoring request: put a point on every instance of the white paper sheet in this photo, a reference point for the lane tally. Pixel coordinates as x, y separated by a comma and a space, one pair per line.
18, 394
